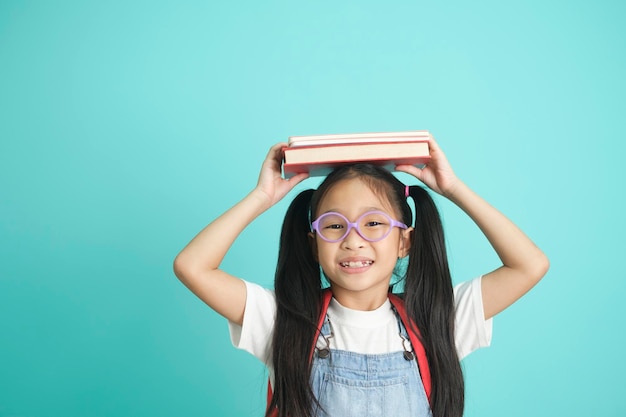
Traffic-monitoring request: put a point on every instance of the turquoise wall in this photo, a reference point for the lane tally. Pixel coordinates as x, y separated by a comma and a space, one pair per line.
126, 126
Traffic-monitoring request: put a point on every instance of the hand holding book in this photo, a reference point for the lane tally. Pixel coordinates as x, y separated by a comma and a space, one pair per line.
437, 173
271, 187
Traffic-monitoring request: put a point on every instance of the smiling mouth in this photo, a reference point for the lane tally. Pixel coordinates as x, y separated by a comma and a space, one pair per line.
356, 264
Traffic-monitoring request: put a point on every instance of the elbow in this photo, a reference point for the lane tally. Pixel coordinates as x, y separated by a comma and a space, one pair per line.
188, 270
541, 265
181, 267
533, 269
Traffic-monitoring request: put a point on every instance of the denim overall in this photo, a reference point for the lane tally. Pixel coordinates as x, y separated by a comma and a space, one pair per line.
349, 384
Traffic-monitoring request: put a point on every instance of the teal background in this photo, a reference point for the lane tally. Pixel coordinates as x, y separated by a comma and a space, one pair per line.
125, 127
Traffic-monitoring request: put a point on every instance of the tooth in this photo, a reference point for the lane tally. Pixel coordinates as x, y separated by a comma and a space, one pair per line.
356, 264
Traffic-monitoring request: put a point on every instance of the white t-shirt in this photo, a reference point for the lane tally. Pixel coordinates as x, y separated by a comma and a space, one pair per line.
369, 332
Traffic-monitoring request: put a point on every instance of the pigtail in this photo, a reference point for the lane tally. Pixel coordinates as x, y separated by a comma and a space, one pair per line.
429, 299
298, 297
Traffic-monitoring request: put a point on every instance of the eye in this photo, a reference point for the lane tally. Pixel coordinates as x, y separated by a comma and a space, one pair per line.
334, 226
374, 220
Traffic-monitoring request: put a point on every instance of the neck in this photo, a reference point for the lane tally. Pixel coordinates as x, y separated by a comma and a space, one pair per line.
361, 300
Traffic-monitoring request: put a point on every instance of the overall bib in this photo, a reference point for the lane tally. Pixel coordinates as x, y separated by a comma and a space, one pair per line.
349, 384
380, 385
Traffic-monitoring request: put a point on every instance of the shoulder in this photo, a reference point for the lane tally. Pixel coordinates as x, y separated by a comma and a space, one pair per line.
472, 331
255, 334
467, 290
260, 305
257, 292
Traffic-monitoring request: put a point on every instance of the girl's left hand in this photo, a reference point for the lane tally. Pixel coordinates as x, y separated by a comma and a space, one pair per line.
437, 174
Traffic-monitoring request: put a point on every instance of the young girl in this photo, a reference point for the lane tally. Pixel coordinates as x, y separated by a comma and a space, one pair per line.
357, 349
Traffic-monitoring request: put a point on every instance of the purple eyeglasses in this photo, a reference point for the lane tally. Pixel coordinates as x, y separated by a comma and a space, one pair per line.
371, 226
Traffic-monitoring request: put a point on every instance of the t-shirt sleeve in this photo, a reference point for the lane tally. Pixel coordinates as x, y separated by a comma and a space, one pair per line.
472, 331
255, 334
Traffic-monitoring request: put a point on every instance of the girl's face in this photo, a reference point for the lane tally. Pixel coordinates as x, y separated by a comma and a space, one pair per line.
359, 270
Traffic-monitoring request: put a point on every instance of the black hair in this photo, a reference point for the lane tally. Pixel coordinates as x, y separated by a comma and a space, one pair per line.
428, 294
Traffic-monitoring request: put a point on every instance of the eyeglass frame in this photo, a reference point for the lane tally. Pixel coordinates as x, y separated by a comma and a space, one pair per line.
355, 225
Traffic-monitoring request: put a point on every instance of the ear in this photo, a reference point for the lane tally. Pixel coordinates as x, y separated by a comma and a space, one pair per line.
313, 244
404, 245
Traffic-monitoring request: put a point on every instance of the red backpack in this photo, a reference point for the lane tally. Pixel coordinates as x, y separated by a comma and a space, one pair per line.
418, 348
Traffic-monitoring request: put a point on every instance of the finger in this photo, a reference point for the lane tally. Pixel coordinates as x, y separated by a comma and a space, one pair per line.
296, 179
274, 158
286, 185
410, 169
279, 145
432, 144
277, 151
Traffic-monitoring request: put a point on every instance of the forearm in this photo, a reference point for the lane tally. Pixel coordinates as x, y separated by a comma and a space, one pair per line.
206, 250
523, 263
514, 248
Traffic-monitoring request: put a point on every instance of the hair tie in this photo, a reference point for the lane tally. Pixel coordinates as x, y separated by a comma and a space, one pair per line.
406, 191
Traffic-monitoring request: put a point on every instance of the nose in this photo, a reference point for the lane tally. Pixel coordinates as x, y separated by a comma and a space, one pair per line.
353, 240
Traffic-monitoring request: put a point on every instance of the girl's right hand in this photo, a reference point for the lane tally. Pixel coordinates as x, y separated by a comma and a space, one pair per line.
272, 187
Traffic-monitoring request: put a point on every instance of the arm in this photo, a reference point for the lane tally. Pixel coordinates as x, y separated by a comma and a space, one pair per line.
197, 265
523, 263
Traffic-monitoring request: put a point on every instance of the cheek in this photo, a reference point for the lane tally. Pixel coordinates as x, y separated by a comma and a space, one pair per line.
401, 249
325, 255
313, 245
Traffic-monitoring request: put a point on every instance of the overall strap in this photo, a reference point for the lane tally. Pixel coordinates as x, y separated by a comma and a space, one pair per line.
416, 342
326, 297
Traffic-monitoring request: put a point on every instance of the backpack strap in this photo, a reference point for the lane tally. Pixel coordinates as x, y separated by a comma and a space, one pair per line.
326, 297
416, 342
